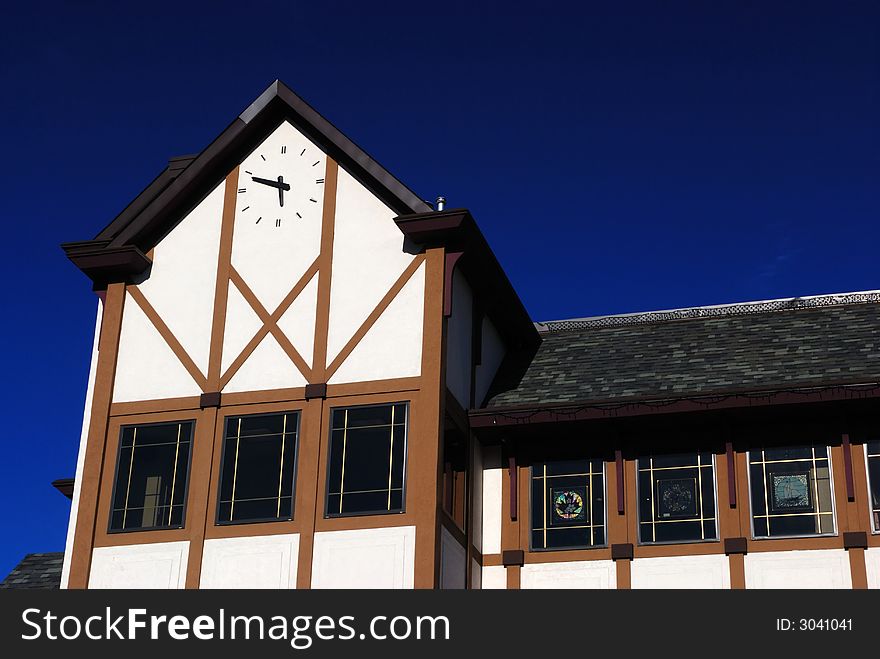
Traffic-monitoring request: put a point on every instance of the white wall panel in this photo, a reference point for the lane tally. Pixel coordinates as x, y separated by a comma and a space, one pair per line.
298, 322
573, 574
709, 571
458, 341
268, 367
81, 455
146, 368
267, 561
492, 501
872, 563
491, 355
819, 568
368, 257
159, 565
494, 577
271, 259
392, 348
242, 324
364, 558
453, 562
184, 275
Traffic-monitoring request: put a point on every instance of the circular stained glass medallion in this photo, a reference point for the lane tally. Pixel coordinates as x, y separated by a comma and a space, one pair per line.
568, 504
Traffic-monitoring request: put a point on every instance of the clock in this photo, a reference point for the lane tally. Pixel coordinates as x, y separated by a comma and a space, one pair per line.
280, 184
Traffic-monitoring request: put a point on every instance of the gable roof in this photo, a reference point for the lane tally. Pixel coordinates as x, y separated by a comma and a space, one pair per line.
118, 251
778, 345
36, 571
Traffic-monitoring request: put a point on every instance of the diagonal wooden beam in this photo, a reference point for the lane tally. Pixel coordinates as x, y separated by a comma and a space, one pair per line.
169, 337
269, 323
289, 299
405, 276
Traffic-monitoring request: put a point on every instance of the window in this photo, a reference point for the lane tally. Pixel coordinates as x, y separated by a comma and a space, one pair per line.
367, 458
791, 491
677, 498
873, 453
258, 468
568, 504
151, 476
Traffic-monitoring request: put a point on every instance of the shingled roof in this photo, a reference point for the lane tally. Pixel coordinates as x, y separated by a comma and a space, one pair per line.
36, 571
773, 345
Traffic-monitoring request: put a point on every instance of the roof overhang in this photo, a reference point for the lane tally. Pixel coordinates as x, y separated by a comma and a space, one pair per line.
457, 232
524, 415
188, 179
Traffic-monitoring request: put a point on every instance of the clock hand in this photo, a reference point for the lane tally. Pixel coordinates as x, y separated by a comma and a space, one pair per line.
280, 184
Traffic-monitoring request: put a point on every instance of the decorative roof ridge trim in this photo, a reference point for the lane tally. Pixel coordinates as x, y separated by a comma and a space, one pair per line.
714, 311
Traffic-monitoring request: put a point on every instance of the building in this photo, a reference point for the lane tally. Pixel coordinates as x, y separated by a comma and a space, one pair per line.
304, 376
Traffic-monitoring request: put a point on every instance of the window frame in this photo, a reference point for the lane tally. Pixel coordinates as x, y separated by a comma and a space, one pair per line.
875, 527
265, 520
798, 536
150, 529
606, 542
329, 454
717, 537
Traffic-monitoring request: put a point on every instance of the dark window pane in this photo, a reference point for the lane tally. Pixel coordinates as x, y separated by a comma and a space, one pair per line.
151, 475
676, 497
367, 458
567, 505
788, 453
258, 474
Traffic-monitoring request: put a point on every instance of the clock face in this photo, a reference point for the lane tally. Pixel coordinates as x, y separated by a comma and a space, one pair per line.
281, 184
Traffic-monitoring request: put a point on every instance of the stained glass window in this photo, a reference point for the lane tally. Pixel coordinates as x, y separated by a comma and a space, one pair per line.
791, 491
873, 456
258, 468
365, 474
151, 476
568, 504
677, 497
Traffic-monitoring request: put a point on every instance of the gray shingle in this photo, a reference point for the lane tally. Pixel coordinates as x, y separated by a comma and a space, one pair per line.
700, 356
36, 571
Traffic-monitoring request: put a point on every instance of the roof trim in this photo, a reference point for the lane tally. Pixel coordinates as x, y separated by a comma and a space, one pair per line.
537, 413
456, 231
187, 179
712, 311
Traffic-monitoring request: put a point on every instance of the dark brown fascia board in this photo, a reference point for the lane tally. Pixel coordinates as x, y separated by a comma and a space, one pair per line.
175, 192
104, 264
65, 486
457, 231
588, 410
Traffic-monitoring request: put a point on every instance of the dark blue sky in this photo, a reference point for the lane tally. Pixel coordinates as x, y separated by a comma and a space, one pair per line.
619, 156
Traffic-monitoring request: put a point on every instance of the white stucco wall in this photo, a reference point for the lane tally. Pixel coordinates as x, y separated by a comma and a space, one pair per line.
459, 330
494, 577
492, 504
872, 563
572, 574
364, 558
268, 561
709, 571
492, 353
453, 562
160, 565
81, 455
368, 257
818, 568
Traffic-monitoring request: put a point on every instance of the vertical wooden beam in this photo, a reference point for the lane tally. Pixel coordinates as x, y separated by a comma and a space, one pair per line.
314, 436
221, 286
93, 464
621, 481
737, 571
328, 227
731, 473
848, 468
199, 510
513, 490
